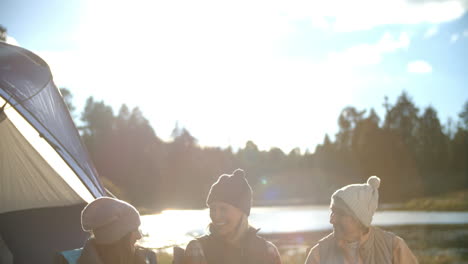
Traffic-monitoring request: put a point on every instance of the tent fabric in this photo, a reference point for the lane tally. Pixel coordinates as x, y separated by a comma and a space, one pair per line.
37, 235
26, 84
5, 254
46, 175
18, 162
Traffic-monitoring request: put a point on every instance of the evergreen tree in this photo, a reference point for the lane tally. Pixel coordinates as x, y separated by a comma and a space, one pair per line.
3, 33
432, 152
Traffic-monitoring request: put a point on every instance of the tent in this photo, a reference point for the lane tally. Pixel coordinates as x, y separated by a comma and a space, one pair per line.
46, 174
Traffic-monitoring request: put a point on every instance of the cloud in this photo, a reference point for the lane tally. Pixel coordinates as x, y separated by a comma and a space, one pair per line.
454, 37
367, 14
432, 31
11, 40
420, 67
370, 54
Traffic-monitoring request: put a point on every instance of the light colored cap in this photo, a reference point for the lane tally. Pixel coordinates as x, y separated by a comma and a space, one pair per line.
109, 219
362, 199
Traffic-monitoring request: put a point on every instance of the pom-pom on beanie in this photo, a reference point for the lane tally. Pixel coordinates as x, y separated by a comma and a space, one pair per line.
232, 189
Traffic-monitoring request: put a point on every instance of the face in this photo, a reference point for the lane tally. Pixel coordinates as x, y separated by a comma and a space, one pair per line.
224, 218
345, 226
134, 237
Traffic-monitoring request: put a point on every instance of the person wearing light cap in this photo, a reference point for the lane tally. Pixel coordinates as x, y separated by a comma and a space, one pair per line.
230, 238
114, 225
354, 239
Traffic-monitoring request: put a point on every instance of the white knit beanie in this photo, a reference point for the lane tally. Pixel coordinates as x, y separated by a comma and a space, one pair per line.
362, 199
109, 219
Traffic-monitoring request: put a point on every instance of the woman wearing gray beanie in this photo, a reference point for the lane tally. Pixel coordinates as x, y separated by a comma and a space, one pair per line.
114, 227
230, 238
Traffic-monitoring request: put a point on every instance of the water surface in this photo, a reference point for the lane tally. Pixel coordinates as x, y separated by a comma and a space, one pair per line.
180, 226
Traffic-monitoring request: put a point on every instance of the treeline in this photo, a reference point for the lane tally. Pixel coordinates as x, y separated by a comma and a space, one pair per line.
410, 150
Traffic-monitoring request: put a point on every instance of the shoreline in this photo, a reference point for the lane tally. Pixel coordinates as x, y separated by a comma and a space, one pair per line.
456, 201
414, 233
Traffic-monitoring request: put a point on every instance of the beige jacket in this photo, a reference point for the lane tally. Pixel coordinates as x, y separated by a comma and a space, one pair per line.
376, 245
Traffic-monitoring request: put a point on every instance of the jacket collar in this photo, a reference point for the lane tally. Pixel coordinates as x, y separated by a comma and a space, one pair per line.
89, 255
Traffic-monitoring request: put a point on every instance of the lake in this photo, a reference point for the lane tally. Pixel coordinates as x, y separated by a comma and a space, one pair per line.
179, 226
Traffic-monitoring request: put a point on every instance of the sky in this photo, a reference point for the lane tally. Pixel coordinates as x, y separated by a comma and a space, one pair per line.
275, 72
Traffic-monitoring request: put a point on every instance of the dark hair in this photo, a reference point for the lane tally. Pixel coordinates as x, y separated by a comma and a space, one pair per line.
120, 252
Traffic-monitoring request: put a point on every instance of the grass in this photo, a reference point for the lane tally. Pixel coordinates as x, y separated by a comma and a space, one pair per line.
432, 244
164, 258
454, 201
444, 258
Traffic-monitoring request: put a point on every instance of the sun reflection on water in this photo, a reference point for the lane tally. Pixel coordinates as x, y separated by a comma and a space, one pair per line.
178, 227
172, 227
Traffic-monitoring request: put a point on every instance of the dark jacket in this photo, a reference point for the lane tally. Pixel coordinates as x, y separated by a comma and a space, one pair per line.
89, 255
253, 249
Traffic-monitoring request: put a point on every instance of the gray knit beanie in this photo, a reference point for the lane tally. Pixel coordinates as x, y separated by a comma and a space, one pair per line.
361, 199
232, 189
109, 219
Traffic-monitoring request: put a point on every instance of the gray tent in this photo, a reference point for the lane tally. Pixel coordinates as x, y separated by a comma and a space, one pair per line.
46, 175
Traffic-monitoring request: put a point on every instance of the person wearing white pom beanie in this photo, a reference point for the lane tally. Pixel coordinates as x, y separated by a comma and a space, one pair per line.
354, 239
